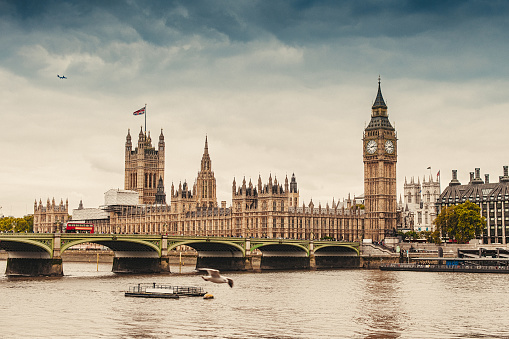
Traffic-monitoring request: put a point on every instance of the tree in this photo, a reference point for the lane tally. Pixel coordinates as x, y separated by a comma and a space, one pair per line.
426, 235
25, 224
461, 222
412, 235
407, 236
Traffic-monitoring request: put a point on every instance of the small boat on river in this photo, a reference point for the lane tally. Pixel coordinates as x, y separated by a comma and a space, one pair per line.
153, 290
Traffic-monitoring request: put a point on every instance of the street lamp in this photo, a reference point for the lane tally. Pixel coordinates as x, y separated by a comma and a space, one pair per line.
58, 226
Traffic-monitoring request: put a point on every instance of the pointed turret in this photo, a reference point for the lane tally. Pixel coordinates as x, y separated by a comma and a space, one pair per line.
160, 195
379, 117
379, 101
293, 184
160, 145
149, 140
128, 138
205, 160
141, 139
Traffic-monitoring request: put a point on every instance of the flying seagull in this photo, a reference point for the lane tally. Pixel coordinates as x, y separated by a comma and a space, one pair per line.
215, 277
61, 77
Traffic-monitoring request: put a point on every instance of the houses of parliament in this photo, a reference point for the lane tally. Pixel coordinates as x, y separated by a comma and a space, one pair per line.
258, 209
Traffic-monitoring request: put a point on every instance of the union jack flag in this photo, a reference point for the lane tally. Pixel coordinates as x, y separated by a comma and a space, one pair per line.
140, 111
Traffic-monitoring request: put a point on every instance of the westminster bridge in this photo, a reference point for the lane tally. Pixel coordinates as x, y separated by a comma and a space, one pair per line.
34, 254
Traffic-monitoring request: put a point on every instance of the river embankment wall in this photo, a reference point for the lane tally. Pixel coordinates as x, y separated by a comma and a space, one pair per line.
450, 250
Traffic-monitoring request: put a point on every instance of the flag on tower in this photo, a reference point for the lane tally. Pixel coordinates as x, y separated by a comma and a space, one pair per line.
140, 111
438, 174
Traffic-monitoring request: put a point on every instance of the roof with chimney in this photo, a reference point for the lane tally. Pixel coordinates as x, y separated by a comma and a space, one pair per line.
476, 190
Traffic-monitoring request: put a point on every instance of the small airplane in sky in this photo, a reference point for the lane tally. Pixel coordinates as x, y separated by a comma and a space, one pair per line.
61, 77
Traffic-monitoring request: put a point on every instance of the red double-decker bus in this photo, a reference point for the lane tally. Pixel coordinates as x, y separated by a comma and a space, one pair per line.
79, 227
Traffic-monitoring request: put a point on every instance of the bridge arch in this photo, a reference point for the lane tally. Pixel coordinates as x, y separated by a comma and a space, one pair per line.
280, 249
336, 250
36, 248
116, 245
209, 247
215, 253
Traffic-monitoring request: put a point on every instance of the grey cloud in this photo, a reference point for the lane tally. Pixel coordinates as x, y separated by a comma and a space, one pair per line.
278, 87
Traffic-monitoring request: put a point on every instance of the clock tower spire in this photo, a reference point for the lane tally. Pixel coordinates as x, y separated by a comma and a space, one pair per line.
380, 157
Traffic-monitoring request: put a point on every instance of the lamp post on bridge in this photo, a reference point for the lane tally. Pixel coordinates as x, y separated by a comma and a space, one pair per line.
58, 226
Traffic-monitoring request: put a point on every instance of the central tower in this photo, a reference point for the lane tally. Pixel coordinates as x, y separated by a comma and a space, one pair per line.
206, 182
380, 157
144, 166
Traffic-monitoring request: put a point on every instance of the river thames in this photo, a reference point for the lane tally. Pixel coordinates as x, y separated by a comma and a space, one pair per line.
87, 303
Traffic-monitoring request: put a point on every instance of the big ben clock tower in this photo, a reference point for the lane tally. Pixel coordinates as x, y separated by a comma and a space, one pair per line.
380, 156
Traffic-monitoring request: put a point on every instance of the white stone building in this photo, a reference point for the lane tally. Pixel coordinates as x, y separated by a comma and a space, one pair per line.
419, 204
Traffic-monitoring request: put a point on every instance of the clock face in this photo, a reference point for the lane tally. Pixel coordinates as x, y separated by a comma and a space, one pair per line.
371, 146
389, 147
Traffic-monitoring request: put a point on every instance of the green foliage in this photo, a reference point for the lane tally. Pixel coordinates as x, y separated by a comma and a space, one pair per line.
461, 222
17, 225
435, 237
410, 235
428, 235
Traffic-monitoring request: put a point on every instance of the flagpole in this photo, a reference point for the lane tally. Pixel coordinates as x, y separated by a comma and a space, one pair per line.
145, 119
439, 182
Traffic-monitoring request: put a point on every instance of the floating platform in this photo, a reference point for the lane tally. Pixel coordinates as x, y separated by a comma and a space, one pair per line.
154, 290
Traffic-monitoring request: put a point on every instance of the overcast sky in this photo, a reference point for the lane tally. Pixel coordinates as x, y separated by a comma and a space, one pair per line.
279, 87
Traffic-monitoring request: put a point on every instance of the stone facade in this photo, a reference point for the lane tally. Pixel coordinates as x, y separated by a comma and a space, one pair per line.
271, 210
50, 218
144, 166
492, 198
419, 203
